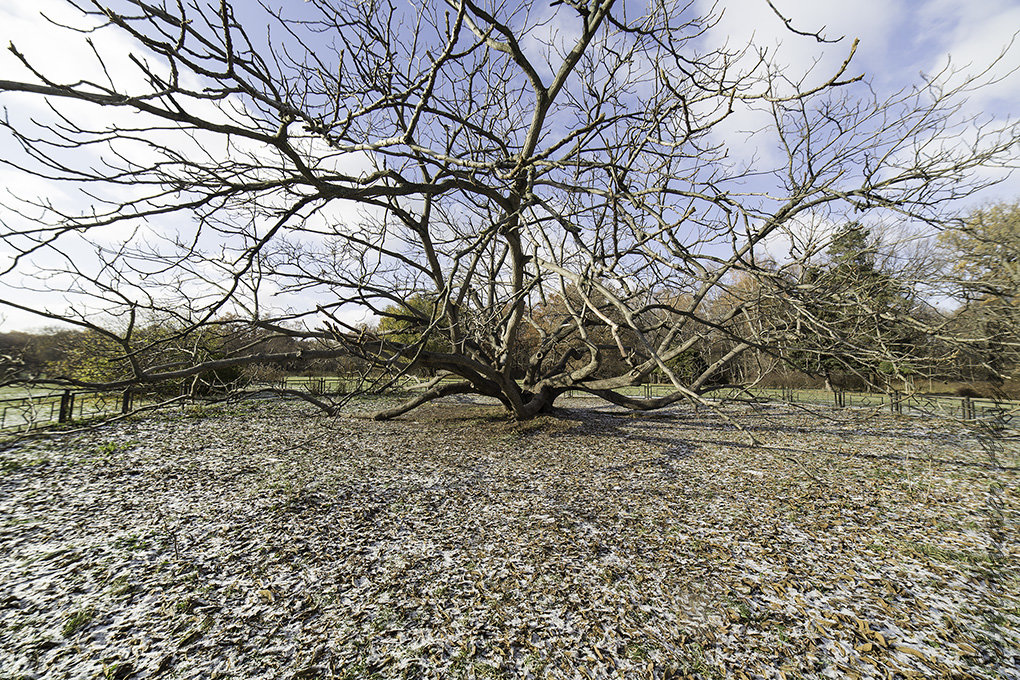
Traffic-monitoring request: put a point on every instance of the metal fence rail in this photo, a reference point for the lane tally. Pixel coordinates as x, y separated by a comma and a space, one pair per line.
320, 385
966, 408
28, 412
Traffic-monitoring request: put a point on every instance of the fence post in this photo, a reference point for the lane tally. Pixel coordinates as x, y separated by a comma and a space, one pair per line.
968, 409
66, 406
896, 405
125, 402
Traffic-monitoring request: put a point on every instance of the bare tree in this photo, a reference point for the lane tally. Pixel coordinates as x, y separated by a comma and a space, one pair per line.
484, 182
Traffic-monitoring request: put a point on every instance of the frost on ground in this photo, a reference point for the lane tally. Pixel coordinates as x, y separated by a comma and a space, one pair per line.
262, 541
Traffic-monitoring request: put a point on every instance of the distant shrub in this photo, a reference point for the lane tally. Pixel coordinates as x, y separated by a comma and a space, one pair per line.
967, 391
1010, 389
791, 380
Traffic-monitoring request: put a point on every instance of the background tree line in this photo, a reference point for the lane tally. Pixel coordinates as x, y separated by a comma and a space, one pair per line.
857, 302
858, 328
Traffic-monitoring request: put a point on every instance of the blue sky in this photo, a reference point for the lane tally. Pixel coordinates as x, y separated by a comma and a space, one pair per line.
899, 41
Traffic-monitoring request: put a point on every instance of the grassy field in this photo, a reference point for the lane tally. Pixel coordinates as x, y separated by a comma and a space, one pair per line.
264, 540
8, 392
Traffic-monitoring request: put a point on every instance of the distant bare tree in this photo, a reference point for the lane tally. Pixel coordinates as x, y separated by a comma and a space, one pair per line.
465, 171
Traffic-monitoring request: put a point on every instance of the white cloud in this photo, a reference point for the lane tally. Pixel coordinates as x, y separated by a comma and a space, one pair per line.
976, 36
898, 40
873, 22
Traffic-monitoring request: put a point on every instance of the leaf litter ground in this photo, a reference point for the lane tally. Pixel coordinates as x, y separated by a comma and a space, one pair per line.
263, 541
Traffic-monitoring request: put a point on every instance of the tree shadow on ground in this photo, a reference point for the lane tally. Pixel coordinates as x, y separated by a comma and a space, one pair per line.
599, 422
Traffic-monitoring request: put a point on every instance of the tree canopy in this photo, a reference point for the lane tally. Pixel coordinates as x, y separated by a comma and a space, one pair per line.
582, 195
983, 276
